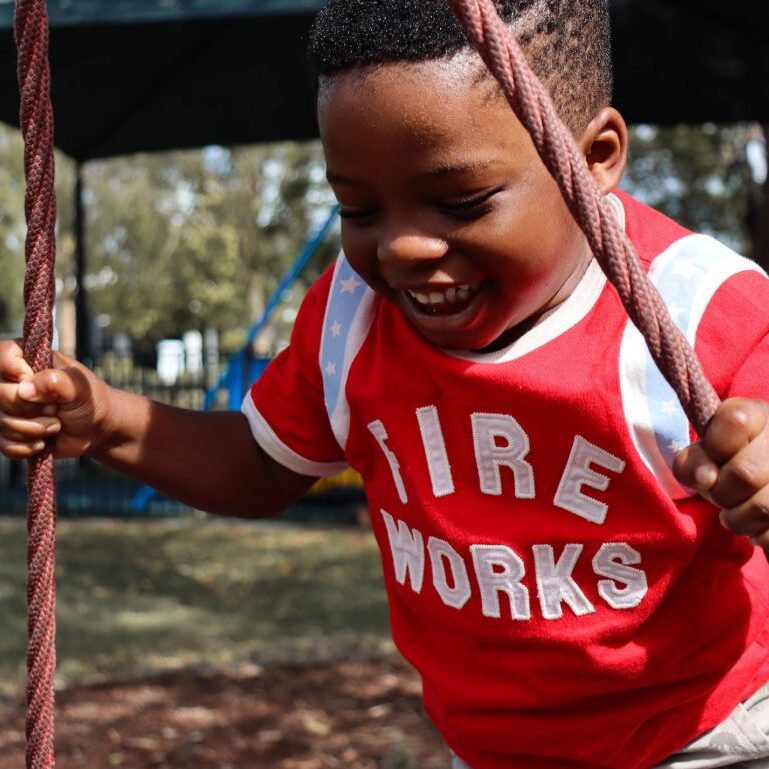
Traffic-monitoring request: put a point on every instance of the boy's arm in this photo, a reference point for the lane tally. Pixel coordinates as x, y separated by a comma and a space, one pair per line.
207, 460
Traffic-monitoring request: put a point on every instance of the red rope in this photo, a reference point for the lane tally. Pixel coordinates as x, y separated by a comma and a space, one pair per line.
36, 119
611, 247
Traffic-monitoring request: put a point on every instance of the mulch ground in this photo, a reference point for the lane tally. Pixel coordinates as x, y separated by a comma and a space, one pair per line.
362, 714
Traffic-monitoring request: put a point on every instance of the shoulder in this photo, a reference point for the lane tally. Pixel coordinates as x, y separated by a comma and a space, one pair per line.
719, 299
683, 264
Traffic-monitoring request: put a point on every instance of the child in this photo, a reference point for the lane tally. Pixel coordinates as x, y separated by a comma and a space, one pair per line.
567, 599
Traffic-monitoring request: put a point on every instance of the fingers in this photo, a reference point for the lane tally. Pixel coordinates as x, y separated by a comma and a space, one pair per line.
49, 386
28, 409
730, 467
695, 469
735, 424
37, 395
13, 367
22, 438
25, 429
751, 518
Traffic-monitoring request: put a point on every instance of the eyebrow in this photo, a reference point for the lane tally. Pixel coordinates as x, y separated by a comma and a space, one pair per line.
440, 171
452, 169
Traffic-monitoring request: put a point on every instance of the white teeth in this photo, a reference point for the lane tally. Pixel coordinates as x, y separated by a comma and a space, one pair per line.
450, 295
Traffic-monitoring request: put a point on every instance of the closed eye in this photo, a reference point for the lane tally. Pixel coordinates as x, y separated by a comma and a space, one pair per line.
470, 205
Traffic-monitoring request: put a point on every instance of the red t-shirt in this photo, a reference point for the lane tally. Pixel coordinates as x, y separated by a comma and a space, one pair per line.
566, 602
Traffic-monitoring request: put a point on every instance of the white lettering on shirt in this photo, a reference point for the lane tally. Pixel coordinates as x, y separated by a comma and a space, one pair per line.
579, 473
407, 548
444, 560
490, 455
611, 561
555, 585
435, 451
499, 570
380, 433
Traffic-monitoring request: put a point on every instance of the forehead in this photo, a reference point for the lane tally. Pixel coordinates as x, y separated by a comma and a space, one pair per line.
436, 105
419, 116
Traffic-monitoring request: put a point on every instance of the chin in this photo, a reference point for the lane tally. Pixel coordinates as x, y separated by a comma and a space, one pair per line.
464, 344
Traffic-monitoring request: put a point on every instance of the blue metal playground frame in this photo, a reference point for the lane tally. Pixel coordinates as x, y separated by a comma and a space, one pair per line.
242, 367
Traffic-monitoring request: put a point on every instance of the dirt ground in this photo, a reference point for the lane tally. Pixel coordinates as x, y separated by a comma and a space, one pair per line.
363, 714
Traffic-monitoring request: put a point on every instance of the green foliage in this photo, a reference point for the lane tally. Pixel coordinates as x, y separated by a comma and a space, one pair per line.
699, 176
197, 240
12, 230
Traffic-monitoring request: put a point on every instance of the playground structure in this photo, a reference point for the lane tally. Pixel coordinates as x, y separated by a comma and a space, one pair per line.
243, 367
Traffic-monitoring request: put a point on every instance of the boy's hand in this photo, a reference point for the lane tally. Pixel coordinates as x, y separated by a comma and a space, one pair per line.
730, 467
68, 402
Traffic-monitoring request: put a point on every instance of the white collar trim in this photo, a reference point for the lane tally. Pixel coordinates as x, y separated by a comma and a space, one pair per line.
579, 303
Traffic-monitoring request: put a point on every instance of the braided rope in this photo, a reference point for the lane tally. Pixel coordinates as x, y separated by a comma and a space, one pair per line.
36, 119
592, 211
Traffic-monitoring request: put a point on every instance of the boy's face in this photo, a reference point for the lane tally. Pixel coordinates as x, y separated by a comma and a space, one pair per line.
447, 210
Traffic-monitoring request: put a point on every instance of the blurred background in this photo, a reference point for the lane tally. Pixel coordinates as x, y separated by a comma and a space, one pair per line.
193, 213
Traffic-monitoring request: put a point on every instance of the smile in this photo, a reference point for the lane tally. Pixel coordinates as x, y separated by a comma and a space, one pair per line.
443, 301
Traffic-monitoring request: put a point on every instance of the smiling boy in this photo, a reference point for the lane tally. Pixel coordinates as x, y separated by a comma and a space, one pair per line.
567, 599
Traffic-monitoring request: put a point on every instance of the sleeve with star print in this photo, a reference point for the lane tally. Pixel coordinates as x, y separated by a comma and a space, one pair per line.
285, 406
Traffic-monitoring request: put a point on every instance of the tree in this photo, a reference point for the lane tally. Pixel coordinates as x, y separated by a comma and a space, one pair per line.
194, 240
703, 177
13, 227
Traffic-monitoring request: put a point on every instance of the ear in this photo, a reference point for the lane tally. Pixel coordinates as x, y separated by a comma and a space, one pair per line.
604, 145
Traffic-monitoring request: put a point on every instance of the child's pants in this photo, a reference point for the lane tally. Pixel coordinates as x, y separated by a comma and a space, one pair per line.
742, 740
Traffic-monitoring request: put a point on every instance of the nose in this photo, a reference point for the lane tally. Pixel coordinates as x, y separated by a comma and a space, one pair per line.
403, 247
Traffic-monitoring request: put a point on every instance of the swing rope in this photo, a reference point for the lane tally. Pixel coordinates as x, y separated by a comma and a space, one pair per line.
36, 120
592, 211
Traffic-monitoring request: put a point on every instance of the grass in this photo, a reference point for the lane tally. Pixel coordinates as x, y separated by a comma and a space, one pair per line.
138, 597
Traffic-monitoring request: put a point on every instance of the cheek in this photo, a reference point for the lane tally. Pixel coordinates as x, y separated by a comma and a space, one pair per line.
360, 249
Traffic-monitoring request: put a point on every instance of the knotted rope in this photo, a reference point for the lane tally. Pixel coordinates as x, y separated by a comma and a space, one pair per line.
592, 211
36, 119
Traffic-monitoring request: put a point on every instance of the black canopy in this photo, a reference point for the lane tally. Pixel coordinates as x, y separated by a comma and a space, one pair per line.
132, 75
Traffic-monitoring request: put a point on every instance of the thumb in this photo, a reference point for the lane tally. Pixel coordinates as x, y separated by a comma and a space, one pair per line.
49, 386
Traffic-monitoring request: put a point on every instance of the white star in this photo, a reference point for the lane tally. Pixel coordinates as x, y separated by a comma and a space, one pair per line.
336, 328
669, 407
675, 311
687, 269
331, 368
677, 446
349, 285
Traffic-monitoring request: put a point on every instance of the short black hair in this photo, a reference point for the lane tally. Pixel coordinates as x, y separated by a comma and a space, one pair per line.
567, 42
